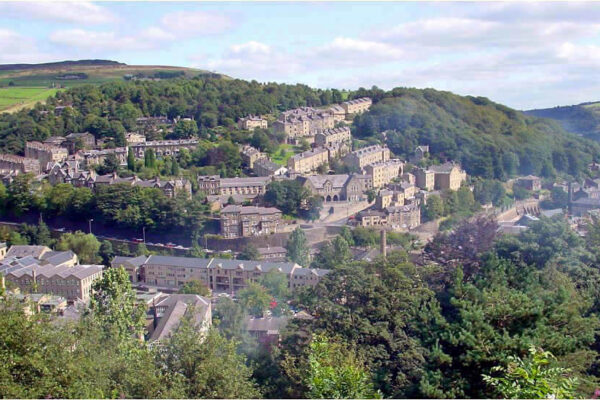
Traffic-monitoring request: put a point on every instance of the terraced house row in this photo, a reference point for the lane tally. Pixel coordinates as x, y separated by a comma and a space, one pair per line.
219, 275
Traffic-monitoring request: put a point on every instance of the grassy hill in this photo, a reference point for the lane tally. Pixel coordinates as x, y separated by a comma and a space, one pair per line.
22, 85
582, 119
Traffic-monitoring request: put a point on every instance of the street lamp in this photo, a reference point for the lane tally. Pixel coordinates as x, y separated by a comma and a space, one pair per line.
144, 233
90, 224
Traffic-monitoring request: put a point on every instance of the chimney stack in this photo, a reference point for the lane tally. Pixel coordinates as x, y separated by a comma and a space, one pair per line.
570, 197
383, 243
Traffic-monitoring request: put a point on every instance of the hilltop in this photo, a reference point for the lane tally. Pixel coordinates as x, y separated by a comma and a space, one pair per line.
582, 119
22, 85
57, 64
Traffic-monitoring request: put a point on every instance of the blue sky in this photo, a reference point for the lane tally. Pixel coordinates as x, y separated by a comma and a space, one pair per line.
525, 55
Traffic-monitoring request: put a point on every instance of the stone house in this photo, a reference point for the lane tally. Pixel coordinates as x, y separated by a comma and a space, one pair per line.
424, 178
10, 163
384, 172
265, 167
45, 153
308, 161
252, 122
244, 186
334, 135
359, 159
448, 176
357, 106
209, 184
87, 140
338, 112
250, 155
245, 221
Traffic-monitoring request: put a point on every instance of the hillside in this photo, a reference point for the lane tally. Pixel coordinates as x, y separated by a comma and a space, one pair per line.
22, 85
489, 139
582, 119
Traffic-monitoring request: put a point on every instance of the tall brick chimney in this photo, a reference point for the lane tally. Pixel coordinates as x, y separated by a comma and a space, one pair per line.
383, 243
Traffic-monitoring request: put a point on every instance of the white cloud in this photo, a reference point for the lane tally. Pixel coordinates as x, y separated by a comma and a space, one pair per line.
173, 26
253, 60
16, 48
69, 11
108, 41
256, 60
189, 23
351, 52
147, 39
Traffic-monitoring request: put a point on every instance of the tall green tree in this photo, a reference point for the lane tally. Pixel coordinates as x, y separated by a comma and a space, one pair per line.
86, 246
130, 159
297, 247
334, 373
205, 365
114, 307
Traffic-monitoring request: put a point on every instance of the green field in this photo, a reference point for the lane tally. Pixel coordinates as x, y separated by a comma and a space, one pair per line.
21, 88
14, 98
278, 158
93, 75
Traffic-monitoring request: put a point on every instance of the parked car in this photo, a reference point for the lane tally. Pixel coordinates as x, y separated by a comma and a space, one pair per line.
138, 240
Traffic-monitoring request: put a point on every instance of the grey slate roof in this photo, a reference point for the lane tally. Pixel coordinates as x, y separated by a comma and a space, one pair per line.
135, 261
179, 261
337, 181
25, 250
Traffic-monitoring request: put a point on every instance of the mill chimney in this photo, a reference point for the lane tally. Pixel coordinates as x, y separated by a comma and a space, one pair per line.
383, 243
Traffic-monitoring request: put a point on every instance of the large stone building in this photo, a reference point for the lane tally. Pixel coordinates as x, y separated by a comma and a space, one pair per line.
396, 217
10, 163
334, 135
360, 158
308, 161
252, 122
304, 121
79, 141
96, 157
340, 187
73, 283
49, 272
424, 178
244, 186
209, 184
245, 221
357, 106
383, 172
46, 154
448, 176
163, 147
219, 275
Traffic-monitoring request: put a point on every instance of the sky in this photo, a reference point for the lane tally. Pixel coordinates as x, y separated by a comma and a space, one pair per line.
525, 55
